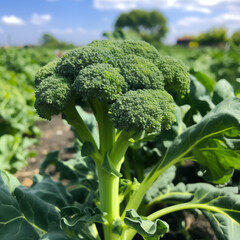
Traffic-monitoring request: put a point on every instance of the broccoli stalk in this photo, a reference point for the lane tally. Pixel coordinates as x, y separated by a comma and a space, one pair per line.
125, 84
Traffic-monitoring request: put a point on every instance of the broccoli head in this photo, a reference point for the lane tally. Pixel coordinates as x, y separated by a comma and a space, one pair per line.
126, 83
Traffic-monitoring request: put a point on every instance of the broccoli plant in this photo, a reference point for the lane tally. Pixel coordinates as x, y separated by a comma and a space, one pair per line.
125, 85
129, 88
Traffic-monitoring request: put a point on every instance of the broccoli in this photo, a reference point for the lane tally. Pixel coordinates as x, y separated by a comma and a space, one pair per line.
126, 84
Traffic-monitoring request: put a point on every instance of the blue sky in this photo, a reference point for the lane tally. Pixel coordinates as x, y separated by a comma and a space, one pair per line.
81, 21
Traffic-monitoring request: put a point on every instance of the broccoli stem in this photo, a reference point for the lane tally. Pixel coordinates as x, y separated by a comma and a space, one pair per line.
108, 183
105, 126
109, 200
155, 172
120, 147
74, 119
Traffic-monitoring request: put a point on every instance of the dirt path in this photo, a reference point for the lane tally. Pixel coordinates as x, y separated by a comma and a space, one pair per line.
55, 135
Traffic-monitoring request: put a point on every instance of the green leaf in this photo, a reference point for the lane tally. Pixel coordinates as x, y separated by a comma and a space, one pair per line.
146, 228
13, 224
222, 121
87, 149
206, 81
222, 90
233, 144
55, 234
221, 206
117, 226
14, 152
10, 181
225, 220
217, 161
126, 187
24, 215
80, 173
79, 222
162, 184
37, 211
52, 192
107, 165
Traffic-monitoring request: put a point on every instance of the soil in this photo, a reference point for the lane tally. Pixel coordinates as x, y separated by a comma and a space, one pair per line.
55, 135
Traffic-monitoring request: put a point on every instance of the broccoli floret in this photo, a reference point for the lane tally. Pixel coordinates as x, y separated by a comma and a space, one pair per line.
122, 48
176, 75
45, 72
52, 96
77, 59
143, 110
139, 73
125, 83
101, 81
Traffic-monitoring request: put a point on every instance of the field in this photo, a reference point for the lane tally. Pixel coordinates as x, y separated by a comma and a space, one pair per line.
26, 140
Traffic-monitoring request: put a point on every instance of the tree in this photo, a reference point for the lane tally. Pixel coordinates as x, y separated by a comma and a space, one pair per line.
213, 37
151, 26
235, 39
47, 40
120, 34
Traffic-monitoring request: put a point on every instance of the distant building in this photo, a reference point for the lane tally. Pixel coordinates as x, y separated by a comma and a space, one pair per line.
187, 42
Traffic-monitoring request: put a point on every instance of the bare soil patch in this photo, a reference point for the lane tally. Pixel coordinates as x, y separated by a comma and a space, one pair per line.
55, 135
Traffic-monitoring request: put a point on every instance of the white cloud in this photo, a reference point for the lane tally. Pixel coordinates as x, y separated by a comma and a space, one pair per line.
222, 20
195, 8
203, 6
40, 19
227, 17
115, 4
194, 25
188, 21
12, 20
215, 2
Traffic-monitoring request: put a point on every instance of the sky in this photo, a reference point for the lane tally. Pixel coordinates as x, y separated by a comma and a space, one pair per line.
82, 21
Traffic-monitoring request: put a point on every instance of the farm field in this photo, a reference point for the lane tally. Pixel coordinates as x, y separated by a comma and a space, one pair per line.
29, 148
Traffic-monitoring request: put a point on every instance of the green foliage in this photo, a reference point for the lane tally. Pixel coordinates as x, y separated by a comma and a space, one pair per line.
78, 207
17, 114
213, 37
219, 205
13, 151
151, 26
120, 34
49, 41
25, 60
146, 228
216, 63
235, 38
31, 213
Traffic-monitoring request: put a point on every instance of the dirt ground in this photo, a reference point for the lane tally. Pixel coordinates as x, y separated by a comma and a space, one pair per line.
55, 135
